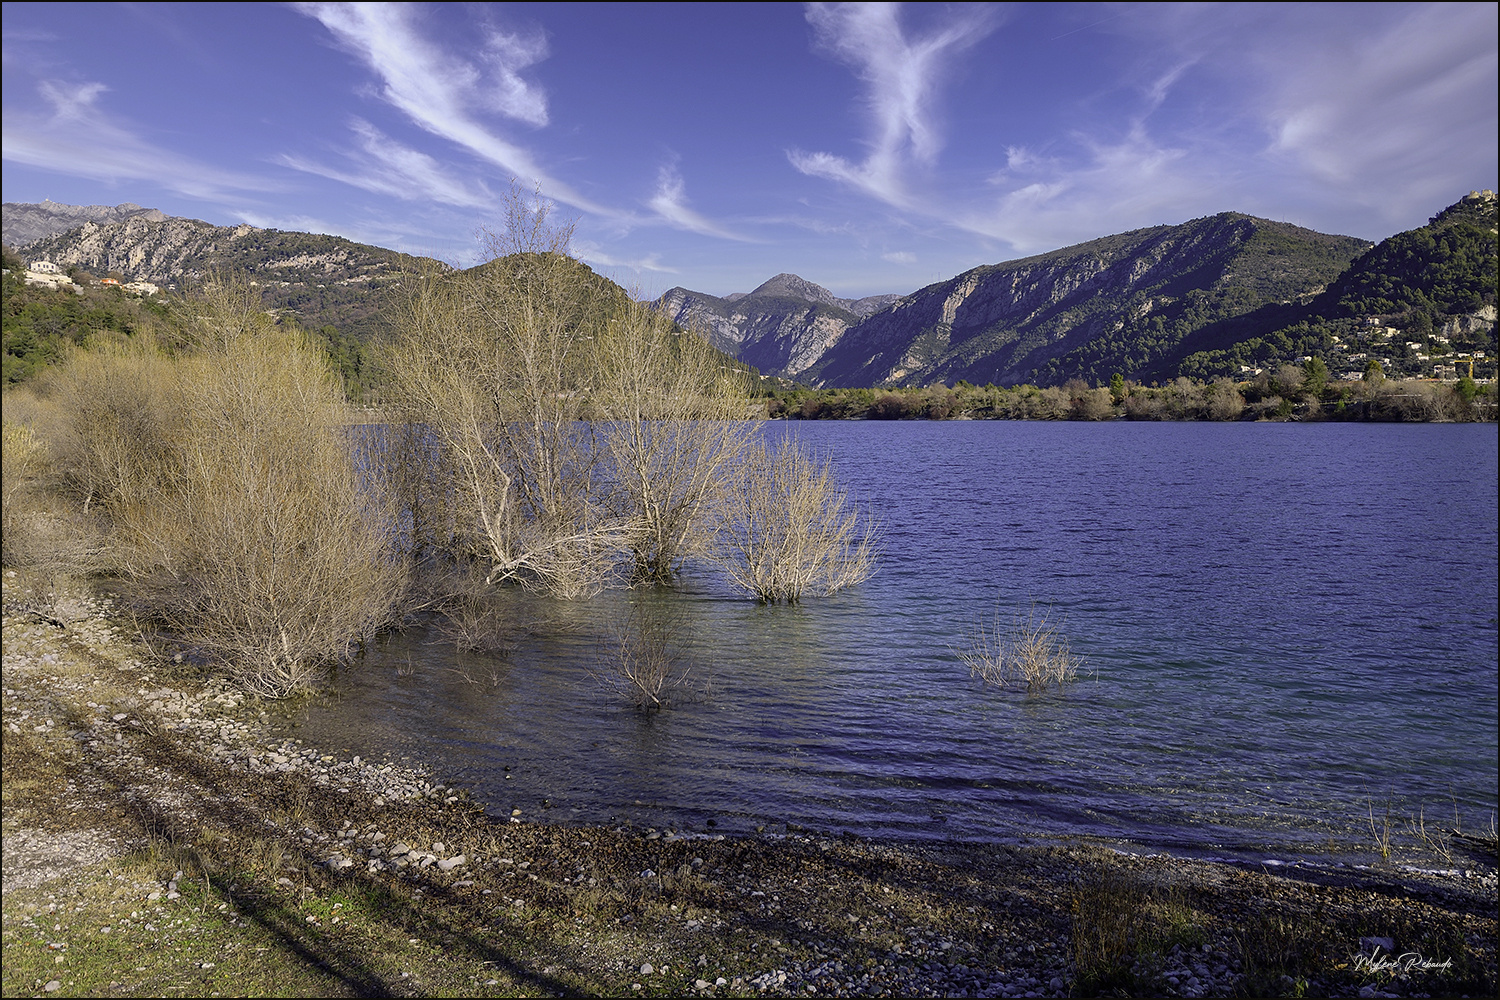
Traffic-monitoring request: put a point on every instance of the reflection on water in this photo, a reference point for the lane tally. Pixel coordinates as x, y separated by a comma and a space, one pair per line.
1282, 625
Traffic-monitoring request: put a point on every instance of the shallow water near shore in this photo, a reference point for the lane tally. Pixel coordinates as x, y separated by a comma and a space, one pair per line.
1287, 629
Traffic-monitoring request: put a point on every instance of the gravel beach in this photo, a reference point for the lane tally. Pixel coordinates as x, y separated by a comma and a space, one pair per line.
158, 840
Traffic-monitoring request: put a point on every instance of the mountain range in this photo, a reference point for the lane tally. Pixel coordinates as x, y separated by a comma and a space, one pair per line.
1209, 297
782, 327
323, 280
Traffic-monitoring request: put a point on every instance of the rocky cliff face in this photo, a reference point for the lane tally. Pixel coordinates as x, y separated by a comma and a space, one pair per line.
323, 280
21, 223
1119, 302
163, 250
160, 251
782, 327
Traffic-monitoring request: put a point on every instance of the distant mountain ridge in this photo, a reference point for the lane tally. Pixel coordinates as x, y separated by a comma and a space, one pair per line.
21, 222
782, 327
1118, 303
1406, 302
323, 280
1213, 296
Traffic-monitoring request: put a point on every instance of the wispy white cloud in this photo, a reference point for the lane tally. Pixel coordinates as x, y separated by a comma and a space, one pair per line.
902, 77
670, 204
385, 166
1415, 100
1341, 111
1044, 202
447, 95
80, 139
1308, 112
592, 253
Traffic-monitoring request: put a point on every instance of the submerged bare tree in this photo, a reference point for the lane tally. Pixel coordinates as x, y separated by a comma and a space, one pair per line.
674, 422
577, 438
786, 529
1029, 651
496, 364
642, 657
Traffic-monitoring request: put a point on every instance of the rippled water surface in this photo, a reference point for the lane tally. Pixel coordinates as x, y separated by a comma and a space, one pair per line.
1285, 626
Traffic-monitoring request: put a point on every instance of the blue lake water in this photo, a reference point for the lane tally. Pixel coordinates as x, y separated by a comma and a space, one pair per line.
1286, 627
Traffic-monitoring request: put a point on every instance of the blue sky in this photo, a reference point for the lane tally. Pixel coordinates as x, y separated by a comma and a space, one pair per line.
869, 148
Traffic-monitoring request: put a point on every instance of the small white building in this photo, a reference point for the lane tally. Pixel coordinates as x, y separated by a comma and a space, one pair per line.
50, 279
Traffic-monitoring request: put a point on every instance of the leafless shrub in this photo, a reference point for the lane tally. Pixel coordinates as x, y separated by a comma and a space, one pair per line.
120, 420
1435, 841
234, 496
786, 529
474, 620
1093, 404
641, 658
1027, 652
1145, 405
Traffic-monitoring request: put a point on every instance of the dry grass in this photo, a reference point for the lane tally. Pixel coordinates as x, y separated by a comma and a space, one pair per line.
1028, 652
1123, 923
24, 457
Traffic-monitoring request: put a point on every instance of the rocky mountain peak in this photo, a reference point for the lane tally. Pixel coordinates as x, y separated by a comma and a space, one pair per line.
792, 286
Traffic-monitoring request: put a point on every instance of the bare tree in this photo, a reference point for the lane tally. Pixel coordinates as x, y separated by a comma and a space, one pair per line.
1224, 400
579, 439
642, 657
497, 363
675, 423
786, 529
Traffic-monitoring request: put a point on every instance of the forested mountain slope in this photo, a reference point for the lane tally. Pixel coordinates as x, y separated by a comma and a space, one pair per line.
1417, 298
1119, 303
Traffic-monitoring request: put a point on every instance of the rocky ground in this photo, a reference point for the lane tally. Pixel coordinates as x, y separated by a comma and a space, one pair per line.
158, 842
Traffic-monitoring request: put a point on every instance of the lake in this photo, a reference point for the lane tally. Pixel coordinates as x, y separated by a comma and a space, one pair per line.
1286, 628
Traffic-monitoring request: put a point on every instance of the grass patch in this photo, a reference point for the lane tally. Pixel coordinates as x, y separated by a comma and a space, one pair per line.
1123, 925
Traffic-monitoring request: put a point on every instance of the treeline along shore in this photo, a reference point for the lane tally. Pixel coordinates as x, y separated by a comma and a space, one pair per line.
1300, 393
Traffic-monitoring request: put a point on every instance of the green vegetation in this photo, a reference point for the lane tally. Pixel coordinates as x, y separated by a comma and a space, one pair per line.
1126, 928
40, 325
1445, 268
1419, 287
1302, 392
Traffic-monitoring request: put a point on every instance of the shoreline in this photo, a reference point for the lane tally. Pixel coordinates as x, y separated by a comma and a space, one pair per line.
123, 780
